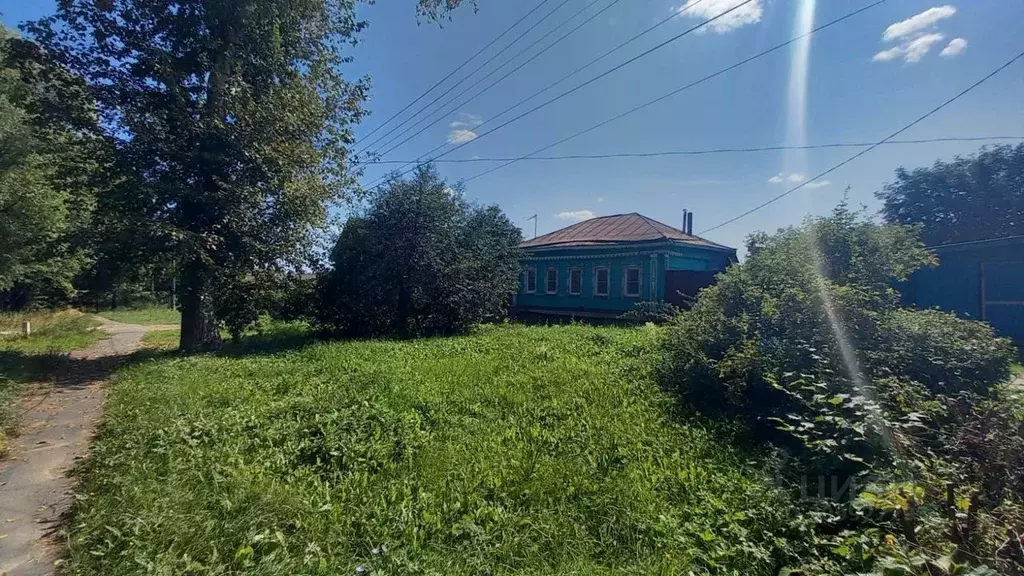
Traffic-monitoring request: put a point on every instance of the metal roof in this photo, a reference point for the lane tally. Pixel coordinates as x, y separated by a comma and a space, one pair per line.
616, 229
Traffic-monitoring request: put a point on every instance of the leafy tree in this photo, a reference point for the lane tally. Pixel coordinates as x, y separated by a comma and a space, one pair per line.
230, 121
971, 198
44, 204
420, 261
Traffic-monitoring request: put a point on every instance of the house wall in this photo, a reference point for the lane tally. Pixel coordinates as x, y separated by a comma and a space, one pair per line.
653, 261
983, 281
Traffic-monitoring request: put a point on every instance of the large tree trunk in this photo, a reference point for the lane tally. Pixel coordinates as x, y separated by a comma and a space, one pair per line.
199, 327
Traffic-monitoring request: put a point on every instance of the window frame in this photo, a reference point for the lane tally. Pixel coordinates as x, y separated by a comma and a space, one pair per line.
578, 292
547, 280
639, 281
607, 283
526, 287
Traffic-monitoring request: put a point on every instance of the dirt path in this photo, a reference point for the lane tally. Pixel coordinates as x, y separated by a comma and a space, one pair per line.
57, 423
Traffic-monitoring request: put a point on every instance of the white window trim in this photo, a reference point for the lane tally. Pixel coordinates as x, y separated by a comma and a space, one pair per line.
639, 281
608, 284
527, 281
569, 281
547, 272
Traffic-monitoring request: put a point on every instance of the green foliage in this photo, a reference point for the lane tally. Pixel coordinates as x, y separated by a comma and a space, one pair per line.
421, 261
230, 135
41, 208
806, 344
657, 312
945, 353
517, 450
971, 198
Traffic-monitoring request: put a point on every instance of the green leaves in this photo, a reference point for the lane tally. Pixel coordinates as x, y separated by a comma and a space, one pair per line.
421, 261
973, 197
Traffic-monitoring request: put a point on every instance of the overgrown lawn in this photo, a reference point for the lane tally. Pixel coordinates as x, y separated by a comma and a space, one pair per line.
519, 450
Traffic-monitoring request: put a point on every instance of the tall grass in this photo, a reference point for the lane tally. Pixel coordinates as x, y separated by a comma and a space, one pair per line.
514, 451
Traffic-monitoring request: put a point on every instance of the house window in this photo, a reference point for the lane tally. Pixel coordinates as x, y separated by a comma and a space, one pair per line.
531, 280
575, 281
632, 281
552, 281
601, 280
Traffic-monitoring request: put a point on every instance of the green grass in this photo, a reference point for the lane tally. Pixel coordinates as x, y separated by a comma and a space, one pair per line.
146, 316
37, 357
519, 450
1017, 370
161, 339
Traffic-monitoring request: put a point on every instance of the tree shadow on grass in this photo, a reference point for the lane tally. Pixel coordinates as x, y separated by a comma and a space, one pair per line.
64, 371
282, 338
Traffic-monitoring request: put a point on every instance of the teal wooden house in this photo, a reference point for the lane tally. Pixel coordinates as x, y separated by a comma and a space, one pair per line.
604, 266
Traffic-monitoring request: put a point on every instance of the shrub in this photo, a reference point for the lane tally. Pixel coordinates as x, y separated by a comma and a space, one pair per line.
806, 344
941, 351
421, 261
657, 312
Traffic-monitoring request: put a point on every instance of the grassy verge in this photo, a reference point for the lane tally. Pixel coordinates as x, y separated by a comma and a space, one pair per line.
145, 316
161, 340
38, 357
519, 450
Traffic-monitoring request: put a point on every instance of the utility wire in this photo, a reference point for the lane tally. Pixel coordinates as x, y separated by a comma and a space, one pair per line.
470, 75
872, 146
499, 80
582, 85
743, 62
453, 72
709, 151
571, 74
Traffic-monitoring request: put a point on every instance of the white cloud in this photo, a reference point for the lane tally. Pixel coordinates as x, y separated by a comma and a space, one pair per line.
917, 23
955, 46
890, 54
918, 47
462, 129
912, 51
793, 178
818, 184
600, 199
749, 13
461, 136
575, 215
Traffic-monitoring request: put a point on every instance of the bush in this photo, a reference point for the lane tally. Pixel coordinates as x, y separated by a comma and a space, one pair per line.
941, 351
805, 343
657, 312
421, 261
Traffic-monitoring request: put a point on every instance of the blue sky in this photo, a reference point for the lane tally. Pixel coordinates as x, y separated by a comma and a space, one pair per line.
864, 78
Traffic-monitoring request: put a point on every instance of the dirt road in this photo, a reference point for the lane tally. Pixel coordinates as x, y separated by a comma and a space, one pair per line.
57, 423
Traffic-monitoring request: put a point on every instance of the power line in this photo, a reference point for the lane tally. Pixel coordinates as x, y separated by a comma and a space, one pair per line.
872, 146
470, 75
708, 151
453, 72
571, 74
697, 82
499, 80
596, 78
